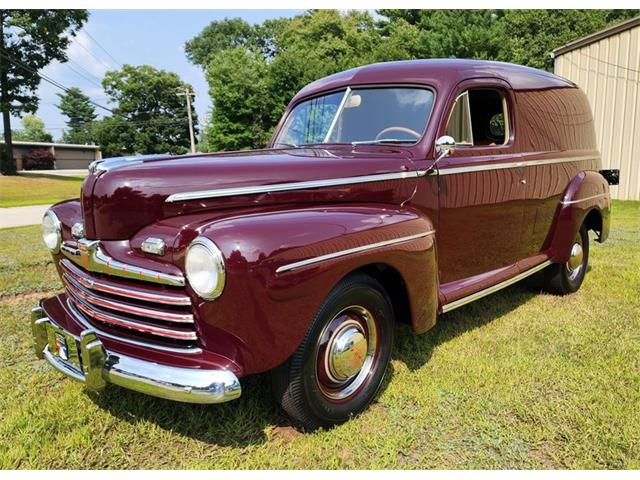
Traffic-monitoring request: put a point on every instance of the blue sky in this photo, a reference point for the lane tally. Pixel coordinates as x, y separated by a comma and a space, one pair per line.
154, 37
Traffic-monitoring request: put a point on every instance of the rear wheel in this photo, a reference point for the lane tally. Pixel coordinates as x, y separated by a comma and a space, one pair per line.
565, 278
340, 365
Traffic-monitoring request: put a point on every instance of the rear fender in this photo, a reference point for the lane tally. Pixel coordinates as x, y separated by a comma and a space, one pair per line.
586, 198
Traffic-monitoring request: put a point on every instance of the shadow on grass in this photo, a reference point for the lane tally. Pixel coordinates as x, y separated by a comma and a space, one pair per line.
250, 419
416, 350
242, 422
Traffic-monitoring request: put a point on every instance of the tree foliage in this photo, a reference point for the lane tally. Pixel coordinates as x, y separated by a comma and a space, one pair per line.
29, 41
32, 130
149, 116
254, 70
80, 114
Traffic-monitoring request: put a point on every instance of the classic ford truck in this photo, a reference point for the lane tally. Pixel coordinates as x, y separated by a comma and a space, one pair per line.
393, 192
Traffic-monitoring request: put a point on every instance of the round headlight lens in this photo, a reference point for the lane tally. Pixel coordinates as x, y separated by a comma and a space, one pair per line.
204, 266
51, 231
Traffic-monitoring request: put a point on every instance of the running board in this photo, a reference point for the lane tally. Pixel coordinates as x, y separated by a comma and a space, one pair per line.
494, 288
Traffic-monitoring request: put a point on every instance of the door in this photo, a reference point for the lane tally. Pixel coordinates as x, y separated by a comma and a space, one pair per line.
481, 191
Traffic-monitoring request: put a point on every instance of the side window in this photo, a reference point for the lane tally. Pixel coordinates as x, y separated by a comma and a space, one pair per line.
479, 118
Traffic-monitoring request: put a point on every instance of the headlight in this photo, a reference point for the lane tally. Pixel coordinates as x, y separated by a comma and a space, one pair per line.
204, 266
51, 231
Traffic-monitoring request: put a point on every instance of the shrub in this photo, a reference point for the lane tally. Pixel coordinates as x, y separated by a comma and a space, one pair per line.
38, 160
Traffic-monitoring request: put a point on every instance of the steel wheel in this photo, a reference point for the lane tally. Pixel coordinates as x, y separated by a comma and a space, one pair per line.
340, 365
565, 278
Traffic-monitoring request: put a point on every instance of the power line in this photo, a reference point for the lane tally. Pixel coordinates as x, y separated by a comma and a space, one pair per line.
128, 123
109, 67
101, 47
88, 79
53, 82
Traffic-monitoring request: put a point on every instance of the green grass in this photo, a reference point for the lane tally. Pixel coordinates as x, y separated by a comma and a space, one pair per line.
23, 190
515, 380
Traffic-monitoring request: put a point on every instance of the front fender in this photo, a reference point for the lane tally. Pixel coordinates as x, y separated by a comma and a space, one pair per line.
588, 192
269, 307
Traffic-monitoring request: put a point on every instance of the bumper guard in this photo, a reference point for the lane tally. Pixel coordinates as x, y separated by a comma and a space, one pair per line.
85, 359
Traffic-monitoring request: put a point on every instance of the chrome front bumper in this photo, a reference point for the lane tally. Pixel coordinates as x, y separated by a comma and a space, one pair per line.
85, 359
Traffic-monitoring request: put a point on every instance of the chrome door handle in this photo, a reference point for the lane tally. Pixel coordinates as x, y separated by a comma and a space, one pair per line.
523, 181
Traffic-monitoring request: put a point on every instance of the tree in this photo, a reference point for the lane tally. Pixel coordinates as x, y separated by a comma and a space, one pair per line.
149, 117
220, 35
529, 36
241, 113
80, 113
32, 130
254, 70
29, 40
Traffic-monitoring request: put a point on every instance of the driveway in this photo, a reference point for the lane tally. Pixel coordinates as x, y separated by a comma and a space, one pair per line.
21, 216
57, 173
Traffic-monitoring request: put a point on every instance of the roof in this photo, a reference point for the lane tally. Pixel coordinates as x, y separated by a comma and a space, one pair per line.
594, 37
437, 73
57, 145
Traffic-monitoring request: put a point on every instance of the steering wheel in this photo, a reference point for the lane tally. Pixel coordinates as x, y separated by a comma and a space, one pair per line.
398, 129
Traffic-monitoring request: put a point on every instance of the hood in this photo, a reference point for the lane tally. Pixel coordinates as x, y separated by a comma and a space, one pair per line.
123, 195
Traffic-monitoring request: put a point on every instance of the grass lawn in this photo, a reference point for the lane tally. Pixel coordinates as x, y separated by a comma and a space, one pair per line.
515, 380
22, 190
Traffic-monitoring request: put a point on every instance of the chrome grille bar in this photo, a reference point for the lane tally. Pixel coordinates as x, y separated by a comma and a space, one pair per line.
152, 313
118, 321
127, 292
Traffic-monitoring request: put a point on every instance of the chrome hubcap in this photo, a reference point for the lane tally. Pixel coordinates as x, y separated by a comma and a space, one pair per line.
574, 265
347, 352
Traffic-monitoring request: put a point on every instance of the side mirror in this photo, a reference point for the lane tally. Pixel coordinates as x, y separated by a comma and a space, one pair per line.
445, 145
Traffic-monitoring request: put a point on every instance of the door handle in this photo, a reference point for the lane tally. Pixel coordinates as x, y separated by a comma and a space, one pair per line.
523, 181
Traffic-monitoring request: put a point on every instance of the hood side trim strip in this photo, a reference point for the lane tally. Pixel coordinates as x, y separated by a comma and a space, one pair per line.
341, 253
283, 187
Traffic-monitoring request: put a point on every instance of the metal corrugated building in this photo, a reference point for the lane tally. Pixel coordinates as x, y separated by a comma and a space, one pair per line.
606, 65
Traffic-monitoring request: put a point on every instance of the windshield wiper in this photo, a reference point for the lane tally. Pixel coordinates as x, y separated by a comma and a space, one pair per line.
381, 140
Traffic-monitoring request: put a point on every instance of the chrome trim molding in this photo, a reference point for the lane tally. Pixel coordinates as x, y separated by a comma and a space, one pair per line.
116, 320
90, 283
88, 254
447, 307
94, 366
153, 313
78, 317
378, 177
283, 187
503, 166
571, 202
349, 251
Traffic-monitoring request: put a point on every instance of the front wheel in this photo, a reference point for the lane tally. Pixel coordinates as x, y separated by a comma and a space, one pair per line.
340, 365
565, 278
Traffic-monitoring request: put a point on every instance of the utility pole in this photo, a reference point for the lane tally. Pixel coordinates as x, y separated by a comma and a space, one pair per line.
188, 94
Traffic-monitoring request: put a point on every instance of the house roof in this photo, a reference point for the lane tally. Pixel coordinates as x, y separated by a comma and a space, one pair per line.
594, 37
57, 145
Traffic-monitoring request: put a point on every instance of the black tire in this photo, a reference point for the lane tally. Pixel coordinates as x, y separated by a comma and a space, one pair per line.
301, 384
564, 278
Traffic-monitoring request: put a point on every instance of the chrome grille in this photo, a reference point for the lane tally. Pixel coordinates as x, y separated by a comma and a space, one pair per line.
157, 314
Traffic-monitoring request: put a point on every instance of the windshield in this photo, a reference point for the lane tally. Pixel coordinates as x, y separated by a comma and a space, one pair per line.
359, 115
